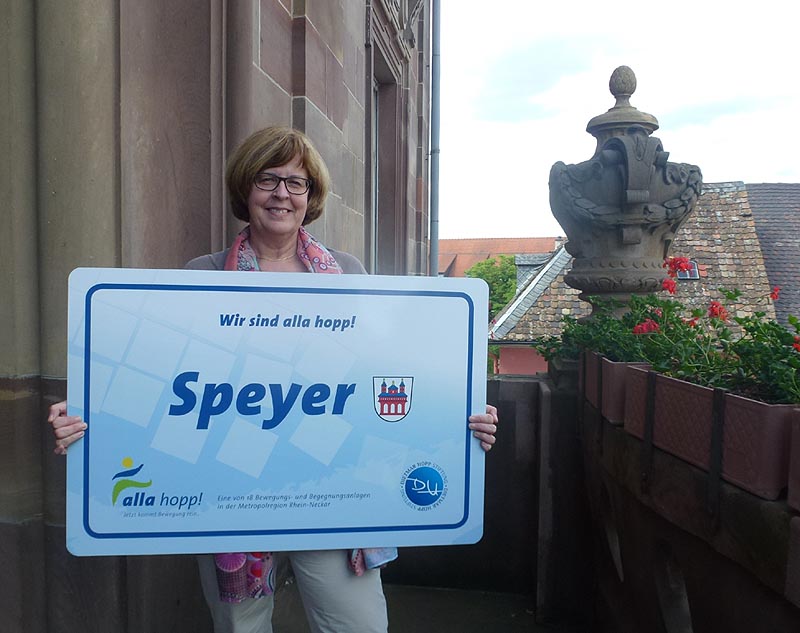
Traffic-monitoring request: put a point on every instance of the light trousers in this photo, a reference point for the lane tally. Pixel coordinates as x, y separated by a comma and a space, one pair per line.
334, 598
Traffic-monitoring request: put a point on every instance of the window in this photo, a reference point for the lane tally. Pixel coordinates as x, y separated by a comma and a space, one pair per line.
386, 201
692, 273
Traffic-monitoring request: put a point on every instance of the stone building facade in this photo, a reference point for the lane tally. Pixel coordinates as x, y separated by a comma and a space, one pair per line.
116, 121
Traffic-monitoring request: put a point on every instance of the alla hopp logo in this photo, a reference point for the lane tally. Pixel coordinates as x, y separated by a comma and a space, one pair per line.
123, 480
392, 396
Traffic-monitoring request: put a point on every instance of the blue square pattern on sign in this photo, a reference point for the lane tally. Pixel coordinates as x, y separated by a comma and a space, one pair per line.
308, 363
179, 438
111, 343
155, 349
320, 438
380, 460
217, 363
247, 447
133, 396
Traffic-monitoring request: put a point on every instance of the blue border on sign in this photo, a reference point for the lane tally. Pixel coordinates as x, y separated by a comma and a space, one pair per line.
285, 290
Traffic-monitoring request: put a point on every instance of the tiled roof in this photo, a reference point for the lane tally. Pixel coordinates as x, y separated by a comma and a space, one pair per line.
719, 235
528, 266
516, 311
532, 259
456, 256
776, 211
446, 265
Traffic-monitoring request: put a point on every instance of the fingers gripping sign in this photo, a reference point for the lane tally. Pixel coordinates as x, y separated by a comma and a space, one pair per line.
484, 427
67, 429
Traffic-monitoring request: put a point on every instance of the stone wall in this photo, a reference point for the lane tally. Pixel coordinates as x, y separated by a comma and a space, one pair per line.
116, 122
665, 560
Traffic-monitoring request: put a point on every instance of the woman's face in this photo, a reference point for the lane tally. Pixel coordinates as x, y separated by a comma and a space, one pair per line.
278, 213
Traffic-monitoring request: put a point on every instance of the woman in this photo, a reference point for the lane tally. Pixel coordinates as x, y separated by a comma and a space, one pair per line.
278, 183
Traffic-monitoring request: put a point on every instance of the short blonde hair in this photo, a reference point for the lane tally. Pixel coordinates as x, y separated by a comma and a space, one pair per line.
272, 147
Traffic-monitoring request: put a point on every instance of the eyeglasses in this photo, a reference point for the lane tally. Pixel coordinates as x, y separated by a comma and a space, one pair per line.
295, 185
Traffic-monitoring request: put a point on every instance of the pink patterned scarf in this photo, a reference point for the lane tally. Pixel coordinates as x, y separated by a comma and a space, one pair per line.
251, 575
311, 252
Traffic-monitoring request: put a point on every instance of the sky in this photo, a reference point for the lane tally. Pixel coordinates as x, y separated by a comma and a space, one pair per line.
520, 79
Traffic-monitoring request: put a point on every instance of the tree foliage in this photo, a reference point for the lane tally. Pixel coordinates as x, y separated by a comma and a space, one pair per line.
501, 275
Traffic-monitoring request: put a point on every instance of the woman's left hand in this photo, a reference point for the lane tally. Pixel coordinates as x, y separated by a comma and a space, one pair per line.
484, 427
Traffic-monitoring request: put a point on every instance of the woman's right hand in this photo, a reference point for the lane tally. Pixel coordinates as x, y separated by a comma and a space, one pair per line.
66, 428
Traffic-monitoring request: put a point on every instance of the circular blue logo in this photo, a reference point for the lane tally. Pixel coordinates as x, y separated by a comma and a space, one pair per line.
424, 486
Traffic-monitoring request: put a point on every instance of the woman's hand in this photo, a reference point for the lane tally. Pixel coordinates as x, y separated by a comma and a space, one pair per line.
484, 427
66, 428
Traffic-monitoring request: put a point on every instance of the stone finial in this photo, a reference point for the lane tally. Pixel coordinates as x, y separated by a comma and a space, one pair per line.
622, 85
621, 209
622, 115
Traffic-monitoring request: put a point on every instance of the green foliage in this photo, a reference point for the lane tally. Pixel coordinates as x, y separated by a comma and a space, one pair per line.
760, 360
768, 359
603, 332
500, 273
493, 353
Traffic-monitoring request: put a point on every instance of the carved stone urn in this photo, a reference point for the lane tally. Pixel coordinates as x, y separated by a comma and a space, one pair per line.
621, 208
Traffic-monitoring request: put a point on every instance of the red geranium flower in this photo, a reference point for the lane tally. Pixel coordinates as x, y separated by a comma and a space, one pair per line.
676, 264
776, 291
717, 311
645, 327
669, 285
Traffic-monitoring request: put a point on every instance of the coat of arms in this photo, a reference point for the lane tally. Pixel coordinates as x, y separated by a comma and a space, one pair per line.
392, 395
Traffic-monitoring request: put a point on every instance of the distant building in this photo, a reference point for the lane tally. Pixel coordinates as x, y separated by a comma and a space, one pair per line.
457, 256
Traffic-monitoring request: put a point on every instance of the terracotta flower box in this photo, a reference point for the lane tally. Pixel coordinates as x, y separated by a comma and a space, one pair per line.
606, 392
588, 377
755, 447
614, 388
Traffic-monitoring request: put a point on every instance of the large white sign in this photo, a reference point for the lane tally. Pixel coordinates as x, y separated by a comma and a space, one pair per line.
234, 411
